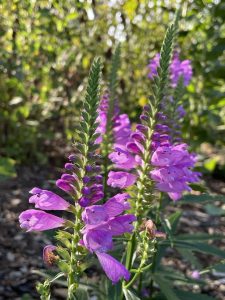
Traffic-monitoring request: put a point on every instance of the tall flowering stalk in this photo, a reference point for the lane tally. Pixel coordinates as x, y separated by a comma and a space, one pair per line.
93, 225
107, 140
143, 189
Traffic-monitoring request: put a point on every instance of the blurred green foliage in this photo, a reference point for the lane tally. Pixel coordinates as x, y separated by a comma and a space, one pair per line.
46, 47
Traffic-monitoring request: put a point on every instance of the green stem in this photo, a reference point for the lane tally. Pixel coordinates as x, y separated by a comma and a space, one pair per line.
130, 251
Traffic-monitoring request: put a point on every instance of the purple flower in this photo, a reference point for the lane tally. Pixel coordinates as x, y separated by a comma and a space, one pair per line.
96, 214
113, 268
153, 66
180, 68
121, 224
91, 194
47, 200
105, 221
38, 220
66, 186
177, 69
121, 179
172, 173
97, 239
122, 158
117, 204
121, 129
195, 274
181, 111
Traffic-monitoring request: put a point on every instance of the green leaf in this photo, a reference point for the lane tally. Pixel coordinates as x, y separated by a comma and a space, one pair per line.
7, 168
172, 276
130, 295
189, 255
165, 287
114, 291
210, 164
201, 198
198, 237
64, 267
184, 295
214, 210
63, 253
174, 220
81, 294
198, 187
200, 247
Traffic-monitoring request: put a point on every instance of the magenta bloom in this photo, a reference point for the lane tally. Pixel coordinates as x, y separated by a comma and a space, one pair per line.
153, 66
66, 186
105, 221
113, 268
121, 179
122, 158
195, 274
47, 200
178, 68
121, 129
38, 220
102, 117
121, 224
172, 173
98, 238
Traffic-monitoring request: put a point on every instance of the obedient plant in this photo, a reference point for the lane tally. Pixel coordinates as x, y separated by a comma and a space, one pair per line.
145, 166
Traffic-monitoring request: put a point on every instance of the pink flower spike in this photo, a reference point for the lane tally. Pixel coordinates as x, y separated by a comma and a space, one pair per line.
113, 268
38, 220
47, 200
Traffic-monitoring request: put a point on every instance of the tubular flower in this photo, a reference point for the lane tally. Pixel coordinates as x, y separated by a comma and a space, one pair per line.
102, 222
121, 122
47, 200
113, 268
172, 162
38, 220
121, 179
172, 173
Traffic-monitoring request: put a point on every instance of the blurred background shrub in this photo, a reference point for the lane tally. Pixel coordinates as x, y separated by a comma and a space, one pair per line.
46, 47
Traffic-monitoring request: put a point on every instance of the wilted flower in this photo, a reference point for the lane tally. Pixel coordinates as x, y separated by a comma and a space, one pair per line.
48, 255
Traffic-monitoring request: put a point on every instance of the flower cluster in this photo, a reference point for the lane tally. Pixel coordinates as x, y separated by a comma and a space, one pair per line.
39, 220
172, 172
178, 68
121, 126
173, 162
101, 222
172, 176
